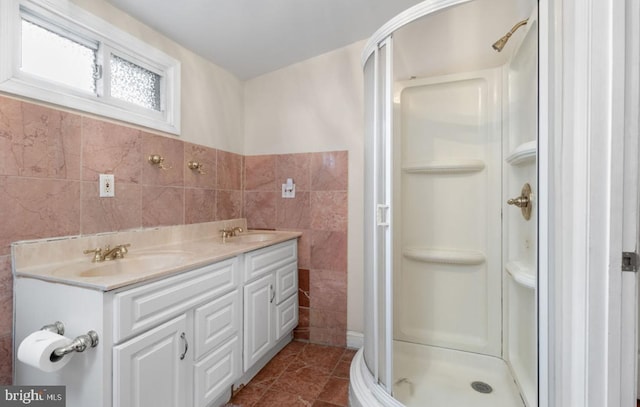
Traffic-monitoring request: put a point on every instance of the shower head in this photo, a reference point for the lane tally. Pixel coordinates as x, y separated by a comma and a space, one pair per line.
498, 45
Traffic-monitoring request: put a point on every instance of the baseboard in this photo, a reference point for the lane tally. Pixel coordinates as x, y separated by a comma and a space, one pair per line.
355, 340
638, 376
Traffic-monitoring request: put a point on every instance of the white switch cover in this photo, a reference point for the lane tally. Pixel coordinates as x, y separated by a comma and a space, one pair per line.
107, 185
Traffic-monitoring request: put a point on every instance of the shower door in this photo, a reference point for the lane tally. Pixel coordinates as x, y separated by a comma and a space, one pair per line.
378, 224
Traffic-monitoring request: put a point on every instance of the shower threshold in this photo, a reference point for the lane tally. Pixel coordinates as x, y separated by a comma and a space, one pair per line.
428, 376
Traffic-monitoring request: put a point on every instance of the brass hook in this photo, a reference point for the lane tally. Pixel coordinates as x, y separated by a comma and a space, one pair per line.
194, 165
158, 160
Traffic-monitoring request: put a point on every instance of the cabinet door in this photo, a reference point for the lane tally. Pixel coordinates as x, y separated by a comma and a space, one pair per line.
258, 319
149, 369
286, 316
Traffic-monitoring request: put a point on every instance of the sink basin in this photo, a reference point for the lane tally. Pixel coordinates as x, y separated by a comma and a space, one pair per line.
253, 237
132, 264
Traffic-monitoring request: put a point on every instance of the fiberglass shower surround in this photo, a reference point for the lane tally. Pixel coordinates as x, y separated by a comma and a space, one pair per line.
450, 267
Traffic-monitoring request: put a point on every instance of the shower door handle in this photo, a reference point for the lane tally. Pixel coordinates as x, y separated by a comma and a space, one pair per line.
382, 212
524, 201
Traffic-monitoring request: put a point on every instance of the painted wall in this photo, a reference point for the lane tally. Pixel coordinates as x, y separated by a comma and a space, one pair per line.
315, 106
212, 98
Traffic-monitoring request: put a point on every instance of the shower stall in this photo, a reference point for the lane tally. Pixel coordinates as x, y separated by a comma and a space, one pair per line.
451, 226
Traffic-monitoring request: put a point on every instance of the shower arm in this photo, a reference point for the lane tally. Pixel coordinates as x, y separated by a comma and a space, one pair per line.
498, 45
515, 27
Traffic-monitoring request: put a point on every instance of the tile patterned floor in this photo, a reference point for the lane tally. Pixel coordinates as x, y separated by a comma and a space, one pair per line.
302, 374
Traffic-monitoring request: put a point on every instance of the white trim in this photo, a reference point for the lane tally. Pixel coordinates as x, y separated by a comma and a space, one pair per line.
364, 390
14, 81
549, 43
629, 346
586, 198
355, 340
407, 16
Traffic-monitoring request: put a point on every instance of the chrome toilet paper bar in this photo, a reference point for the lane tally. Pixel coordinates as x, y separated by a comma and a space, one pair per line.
57, 328
79, 344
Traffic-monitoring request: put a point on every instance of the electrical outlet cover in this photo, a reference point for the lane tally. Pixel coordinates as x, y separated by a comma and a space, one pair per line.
107, 185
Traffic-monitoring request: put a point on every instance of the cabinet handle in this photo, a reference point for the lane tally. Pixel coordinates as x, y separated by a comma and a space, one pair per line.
183, 336
273, 293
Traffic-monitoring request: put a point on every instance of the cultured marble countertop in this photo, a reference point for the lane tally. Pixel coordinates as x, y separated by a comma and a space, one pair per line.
144, 262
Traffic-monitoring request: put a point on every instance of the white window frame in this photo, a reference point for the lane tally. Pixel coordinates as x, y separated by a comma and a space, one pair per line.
111, 41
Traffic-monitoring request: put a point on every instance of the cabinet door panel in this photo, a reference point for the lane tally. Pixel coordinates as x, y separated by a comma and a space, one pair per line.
217, 321
258, 322
149, 372
216, 373
286, 281
286, 316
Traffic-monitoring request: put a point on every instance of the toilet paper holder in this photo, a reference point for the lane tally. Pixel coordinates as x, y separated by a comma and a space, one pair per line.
79, 344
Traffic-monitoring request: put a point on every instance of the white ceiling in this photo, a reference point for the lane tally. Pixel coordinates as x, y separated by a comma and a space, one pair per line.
253, 37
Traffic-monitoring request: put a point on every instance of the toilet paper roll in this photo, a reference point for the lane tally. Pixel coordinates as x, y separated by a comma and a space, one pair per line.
36, 349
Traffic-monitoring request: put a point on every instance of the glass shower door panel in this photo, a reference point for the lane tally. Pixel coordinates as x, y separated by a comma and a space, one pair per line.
377, 227
449, 273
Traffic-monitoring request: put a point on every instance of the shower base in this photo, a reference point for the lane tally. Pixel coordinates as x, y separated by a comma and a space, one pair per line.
428, 376
439, 377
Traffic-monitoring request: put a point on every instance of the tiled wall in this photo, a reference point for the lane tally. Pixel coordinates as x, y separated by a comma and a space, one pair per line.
319, 210
49, 166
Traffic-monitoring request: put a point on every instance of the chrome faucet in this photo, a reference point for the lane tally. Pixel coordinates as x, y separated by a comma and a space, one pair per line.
100, 255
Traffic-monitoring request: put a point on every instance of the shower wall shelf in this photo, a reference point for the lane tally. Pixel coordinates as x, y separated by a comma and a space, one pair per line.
522, 274
449, 166
525, 153
445, 256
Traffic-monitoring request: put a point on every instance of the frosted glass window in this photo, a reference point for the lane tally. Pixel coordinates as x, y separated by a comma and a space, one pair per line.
134, 84
57, 58
61, 54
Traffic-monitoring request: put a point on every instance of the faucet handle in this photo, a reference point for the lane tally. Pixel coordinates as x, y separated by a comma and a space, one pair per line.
97, 254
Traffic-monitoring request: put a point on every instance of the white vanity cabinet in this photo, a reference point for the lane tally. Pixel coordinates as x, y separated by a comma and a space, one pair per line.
200, 345
174, 341
270, 299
